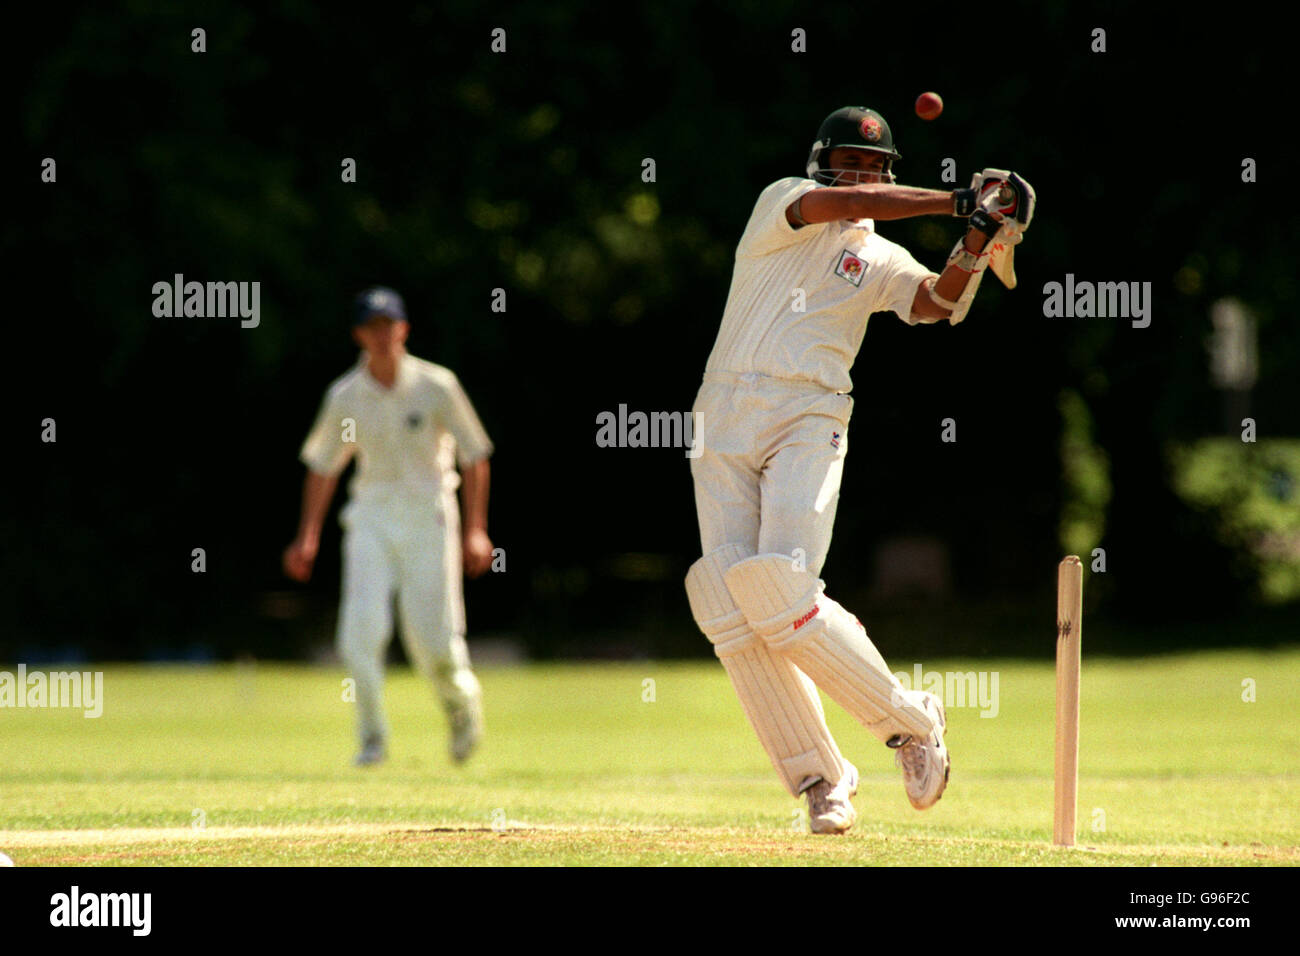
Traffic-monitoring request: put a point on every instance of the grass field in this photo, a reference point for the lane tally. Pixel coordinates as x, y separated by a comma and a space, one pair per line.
592, 765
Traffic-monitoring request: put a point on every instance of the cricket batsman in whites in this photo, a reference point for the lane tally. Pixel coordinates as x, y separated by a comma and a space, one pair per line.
409, 423
773, 414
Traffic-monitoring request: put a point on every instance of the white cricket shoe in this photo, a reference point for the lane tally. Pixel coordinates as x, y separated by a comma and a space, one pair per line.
372, 752
829, 810
466, 729
925, 761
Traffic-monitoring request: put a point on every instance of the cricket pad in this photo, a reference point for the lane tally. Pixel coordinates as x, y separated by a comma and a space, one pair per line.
781, 703
787, 608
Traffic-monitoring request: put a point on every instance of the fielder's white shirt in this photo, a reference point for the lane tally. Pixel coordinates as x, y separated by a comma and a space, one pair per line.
407, 438
846, 272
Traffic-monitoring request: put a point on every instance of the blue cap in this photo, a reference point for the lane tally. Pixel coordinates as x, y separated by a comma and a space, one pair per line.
377, 301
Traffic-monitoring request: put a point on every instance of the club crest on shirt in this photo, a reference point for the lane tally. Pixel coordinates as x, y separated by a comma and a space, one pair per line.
850, 267
413, 420
835, 439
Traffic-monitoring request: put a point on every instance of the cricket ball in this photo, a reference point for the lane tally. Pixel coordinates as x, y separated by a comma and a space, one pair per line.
929, 106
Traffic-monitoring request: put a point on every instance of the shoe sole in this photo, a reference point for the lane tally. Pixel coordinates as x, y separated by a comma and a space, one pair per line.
836, 831
947, 758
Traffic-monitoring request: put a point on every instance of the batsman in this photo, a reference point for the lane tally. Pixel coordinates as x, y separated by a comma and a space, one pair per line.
774, 410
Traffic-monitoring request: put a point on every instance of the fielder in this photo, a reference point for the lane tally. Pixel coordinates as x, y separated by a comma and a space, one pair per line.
773, 414
409, 423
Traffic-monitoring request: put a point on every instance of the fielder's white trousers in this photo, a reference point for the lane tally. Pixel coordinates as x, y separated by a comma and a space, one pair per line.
409, 546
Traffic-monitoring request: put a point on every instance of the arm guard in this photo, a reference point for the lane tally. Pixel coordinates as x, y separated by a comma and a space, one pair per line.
970, 262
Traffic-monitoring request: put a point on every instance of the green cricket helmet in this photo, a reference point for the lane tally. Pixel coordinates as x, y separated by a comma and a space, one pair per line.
856, 127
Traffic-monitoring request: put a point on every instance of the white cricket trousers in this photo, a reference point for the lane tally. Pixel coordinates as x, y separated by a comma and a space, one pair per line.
408, 545
772, 456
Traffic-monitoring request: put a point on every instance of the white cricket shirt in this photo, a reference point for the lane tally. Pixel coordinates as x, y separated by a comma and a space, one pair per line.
407, 438
846, 272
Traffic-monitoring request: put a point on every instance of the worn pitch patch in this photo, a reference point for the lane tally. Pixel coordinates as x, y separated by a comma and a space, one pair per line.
126, 836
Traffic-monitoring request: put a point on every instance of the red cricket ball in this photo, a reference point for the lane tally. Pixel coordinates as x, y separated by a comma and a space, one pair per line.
929, 106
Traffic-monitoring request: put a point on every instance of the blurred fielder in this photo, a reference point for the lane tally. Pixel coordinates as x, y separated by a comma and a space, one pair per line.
774, 409
410, 423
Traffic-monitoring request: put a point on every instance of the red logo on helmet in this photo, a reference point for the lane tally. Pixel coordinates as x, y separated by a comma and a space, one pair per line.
870, 129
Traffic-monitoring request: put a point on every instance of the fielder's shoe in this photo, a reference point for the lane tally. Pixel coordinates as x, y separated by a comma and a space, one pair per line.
372, 752
466, 729
924, 761
829, 810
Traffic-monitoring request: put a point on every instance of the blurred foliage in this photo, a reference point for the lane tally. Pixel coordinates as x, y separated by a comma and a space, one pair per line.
1085, 474
1252, 490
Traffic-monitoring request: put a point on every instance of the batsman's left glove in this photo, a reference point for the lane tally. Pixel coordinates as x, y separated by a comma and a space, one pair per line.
1000, 190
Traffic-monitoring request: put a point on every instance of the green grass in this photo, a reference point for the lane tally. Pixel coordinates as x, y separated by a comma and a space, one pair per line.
578, 769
